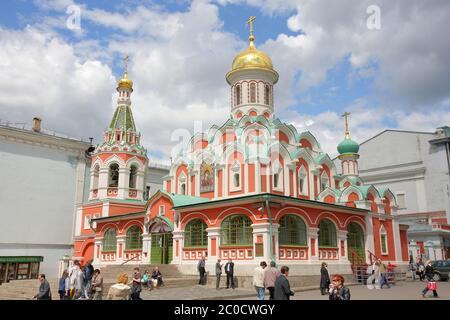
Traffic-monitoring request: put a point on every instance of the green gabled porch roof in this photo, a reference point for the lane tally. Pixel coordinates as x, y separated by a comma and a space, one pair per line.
120, 217
270, 197
183, 200
122, 119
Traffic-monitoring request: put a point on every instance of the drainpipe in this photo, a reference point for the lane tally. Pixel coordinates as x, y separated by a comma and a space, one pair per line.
270, 229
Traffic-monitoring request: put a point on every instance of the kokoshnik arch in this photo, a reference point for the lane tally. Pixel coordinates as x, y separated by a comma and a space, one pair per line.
251, 189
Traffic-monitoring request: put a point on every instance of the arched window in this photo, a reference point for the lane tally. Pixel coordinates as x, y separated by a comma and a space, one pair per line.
252, 92
237, 93
235, 177
183, 188
182, 184
324, 181
277, 181
133, 175
383, 240
236, 230
109, 240
195, 234
302, 181
267, 94
133, 239
292, 231
327, 234
113, 175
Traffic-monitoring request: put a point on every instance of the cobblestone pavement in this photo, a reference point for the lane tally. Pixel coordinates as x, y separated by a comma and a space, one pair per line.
193, 293
403, 290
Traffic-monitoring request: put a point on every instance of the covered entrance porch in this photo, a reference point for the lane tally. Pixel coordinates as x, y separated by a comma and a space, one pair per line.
160, 240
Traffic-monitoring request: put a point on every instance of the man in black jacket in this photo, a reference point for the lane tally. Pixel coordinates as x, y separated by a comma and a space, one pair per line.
44, 289
282, 288
229, 270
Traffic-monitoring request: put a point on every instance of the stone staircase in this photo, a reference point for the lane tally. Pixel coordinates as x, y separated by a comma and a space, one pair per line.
26, 289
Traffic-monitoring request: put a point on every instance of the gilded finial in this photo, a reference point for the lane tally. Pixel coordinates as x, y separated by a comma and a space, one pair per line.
125, 82
251, 38
347, 132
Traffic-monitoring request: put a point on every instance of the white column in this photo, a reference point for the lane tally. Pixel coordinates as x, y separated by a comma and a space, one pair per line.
213, 233
261, 229
257, 177
103, 182
342, 236
370, 243
197, 183
97, 250
286, 180
397, 242
294, 182
276, 245
177, 236
313, 236
140, 184
146, 239
120, 251
124, 176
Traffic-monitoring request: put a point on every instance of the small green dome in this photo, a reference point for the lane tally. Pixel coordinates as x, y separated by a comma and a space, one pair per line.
348, 146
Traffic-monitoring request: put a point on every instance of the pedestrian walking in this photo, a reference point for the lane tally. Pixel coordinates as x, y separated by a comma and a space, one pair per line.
324, 279
383, 279
75, 285
97, 285
412, 268
88, 273
79, 290
258, 280
62, 289
218, 273
120, 290
229, 271
136, 286
431, 284
282, 287
201, 270
44, 289
420, 268
337, 289
270, 275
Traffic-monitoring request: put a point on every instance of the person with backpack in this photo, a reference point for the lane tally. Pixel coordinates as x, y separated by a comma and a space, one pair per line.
431, 284
88, 273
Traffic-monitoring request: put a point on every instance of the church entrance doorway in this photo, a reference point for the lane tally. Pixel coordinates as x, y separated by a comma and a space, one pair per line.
355, 242
160, 229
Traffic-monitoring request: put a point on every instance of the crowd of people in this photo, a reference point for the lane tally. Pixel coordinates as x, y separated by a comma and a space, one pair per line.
86, 283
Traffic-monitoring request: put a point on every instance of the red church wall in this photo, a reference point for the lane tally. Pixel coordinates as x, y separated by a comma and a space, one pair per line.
202, 144
263, 178
219, 183
291, 185
373, 205
352, 197
404, 245
387, 205
227, 137
281, 136
251, 177
316, 189
390, 239
162, 201
329, 199
306, 144
169, 186
181, 169
193, 186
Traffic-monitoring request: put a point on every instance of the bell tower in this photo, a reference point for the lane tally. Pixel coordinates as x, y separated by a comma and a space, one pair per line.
119, 162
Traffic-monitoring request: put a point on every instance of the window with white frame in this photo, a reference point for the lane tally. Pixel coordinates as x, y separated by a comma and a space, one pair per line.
383, 241
277, 176
87, 220
401, 200
324, 181
302, 181
235, 177
182, 184
161, 211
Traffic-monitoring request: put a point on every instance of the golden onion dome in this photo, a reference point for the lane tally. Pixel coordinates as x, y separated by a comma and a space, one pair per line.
125, 82
252, 59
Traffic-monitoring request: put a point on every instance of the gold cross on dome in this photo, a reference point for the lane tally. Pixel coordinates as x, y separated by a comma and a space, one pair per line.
347, 132
250, 22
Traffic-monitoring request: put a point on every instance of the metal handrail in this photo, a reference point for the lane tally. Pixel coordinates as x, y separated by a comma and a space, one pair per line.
137, 256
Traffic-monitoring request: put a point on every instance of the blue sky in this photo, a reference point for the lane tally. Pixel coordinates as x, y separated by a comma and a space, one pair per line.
327, 59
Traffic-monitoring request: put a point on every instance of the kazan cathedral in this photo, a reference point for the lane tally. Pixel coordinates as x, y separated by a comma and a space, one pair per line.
251, 189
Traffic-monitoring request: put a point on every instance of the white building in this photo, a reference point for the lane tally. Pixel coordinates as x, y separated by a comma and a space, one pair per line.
44, 177
415, 166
